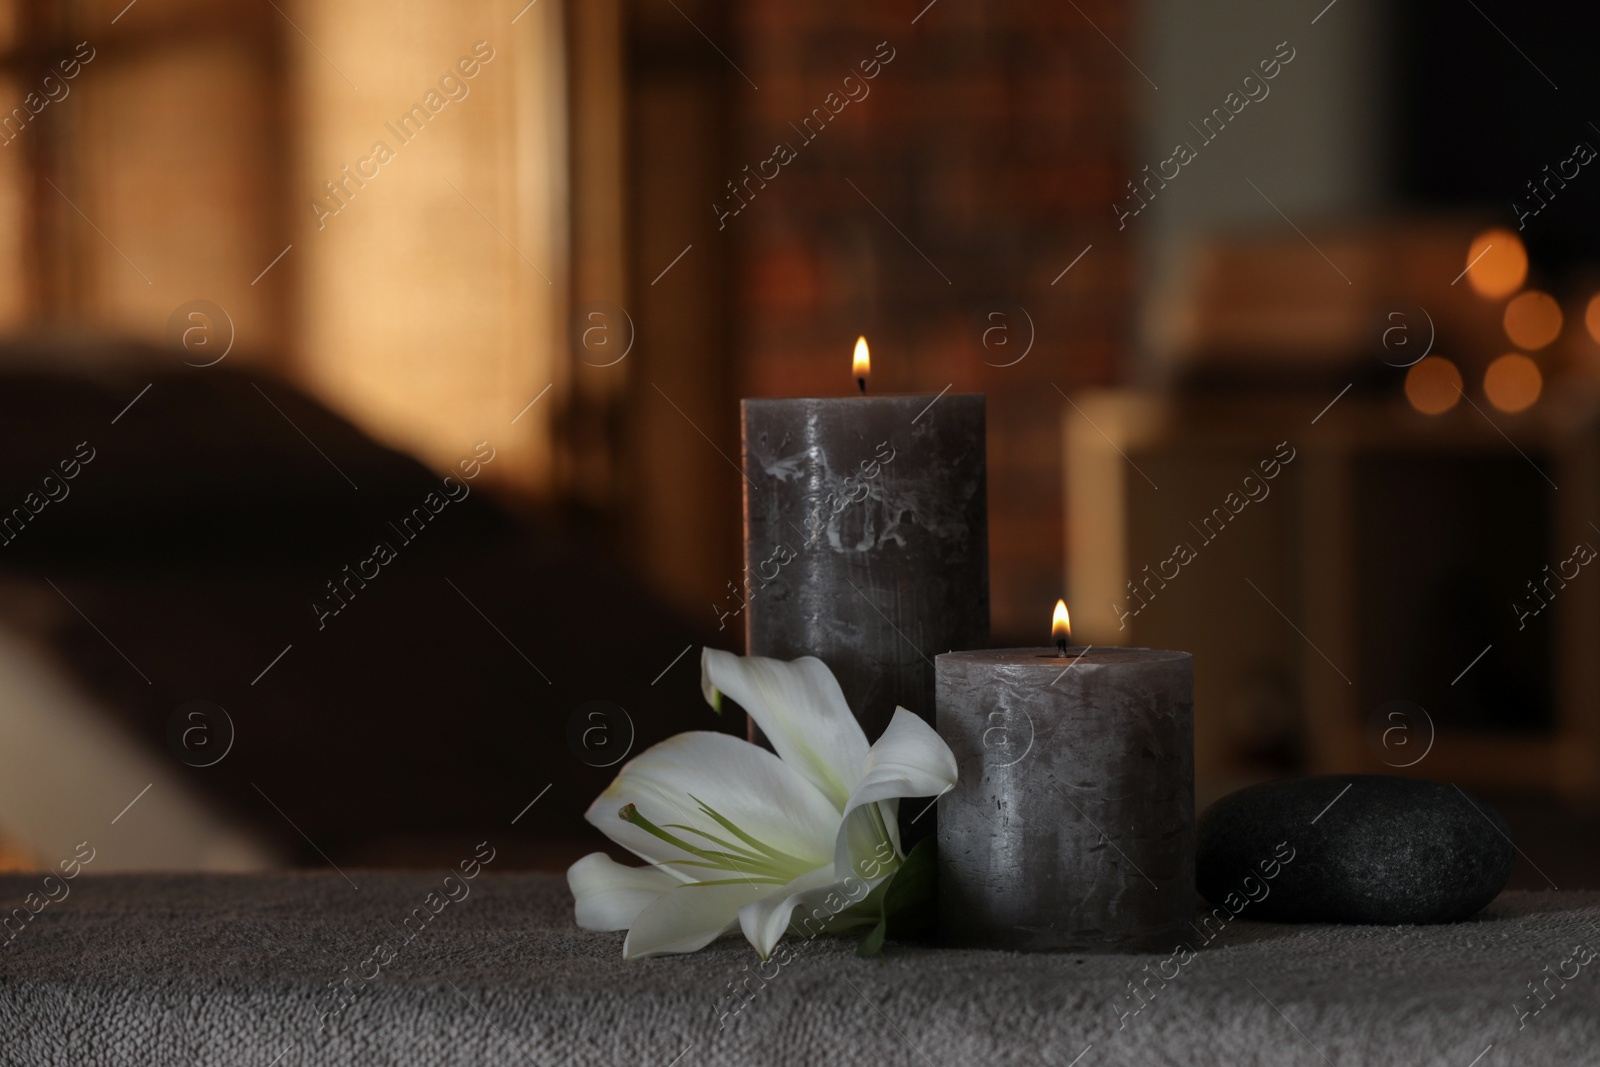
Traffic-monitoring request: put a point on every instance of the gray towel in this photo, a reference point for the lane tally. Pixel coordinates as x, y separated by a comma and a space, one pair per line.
184, 969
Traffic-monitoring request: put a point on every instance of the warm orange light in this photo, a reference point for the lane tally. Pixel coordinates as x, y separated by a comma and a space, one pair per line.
1513, 382
1497, 264
861, 364
1433, 386
1591, 317
1533, 319
1061, 625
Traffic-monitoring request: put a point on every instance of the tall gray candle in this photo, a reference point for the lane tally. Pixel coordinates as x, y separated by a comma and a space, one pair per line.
867, 539
1071, 827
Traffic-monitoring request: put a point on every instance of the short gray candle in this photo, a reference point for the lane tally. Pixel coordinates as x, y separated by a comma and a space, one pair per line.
867, 540
1072, 825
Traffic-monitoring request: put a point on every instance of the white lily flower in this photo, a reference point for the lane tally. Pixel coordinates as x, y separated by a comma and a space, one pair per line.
738, 836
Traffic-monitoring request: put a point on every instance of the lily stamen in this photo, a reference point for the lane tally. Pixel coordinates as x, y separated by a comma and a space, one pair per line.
720, 860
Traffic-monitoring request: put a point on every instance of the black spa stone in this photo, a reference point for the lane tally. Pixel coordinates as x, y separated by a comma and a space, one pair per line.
1352, 848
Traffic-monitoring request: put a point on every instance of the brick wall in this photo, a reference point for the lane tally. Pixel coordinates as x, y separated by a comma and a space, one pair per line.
995, 140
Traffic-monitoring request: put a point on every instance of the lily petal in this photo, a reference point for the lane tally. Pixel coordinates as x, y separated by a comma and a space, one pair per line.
610, 896
765, 921
909, 760
800, 708
688, 919
746, 784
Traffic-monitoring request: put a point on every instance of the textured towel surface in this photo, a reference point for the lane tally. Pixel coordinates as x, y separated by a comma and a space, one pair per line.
219, 969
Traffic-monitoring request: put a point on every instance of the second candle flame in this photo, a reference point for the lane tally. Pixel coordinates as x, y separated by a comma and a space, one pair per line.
1061, 627
861, 364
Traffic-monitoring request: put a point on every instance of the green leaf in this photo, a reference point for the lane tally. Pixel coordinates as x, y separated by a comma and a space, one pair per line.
909, 906
872, 944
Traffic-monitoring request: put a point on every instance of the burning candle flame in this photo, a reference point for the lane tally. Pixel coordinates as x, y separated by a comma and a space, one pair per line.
861, 364
1061, 627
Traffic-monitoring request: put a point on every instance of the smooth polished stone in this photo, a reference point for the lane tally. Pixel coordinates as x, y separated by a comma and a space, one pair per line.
1377, 849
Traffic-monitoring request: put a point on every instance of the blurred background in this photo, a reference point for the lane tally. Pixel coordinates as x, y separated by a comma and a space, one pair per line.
483, 282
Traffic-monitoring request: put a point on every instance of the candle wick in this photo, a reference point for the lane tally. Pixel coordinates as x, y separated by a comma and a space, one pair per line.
862, 382
1061, 646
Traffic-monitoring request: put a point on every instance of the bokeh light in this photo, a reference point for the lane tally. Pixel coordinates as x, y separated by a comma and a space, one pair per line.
1497, 264
1533, 319
1433, 386
1513, 382
1591, 317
